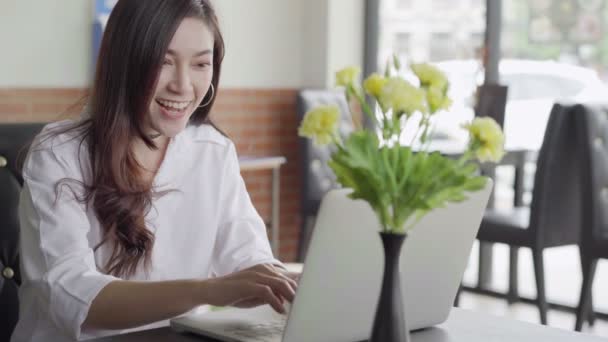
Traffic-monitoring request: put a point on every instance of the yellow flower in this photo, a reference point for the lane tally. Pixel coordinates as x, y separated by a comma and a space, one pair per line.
320, 124
347, 76
437, 99
429, 75
402, 97
373, 84
487, 139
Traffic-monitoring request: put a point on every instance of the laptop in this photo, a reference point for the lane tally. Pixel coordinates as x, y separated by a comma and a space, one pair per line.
341, 279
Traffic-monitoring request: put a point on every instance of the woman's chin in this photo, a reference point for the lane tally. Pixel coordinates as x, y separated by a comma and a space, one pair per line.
172, 130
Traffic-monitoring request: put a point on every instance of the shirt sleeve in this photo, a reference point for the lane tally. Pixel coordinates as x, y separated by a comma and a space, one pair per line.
56, 258
241, 241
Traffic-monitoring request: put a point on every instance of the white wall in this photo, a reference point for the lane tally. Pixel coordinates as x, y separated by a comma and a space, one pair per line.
270, 43
345, 36
263, 42
315, 43
45, 43
290, 43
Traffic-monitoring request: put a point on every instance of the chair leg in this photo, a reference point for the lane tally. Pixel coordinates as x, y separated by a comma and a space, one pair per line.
585, 301
539, 274
513, 294
591, 313
484, 274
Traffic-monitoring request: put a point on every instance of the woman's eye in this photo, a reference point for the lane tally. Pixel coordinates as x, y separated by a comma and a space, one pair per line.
166, 62
203, 65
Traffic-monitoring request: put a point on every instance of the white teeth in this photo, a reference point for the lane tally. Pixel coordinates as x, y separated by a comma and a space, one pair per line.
174, 105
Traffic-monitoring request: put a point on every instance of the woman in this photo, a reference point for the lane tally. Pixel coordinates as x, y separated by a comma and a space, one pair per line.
137, 212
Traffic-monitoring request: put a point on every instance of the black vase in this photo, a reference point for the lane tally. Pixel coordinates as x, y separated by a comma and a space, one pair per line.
389, 323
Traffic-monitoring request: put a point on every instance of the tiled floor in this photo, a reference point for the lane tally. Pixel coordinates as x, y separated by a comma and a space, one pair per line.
563, 281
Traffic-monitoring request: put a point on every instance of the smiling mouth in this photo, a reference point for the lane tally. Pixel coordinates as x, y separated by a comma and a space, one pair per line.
173, 109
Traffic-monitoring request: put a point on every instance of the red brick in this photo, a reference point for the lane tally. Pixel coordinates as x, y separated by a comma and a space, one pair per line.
35, 94
13, 109
45, 108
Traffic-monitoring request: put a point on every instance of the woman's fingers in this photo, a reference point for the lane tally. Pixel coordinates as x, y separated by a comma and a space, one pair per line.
272, 290
266, 293
276, 272
279, 285
261, 284
293, 276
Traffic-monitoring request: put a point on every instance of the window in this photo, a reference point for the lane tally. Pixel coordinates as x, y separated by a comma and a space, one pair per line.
567, 31
402, 43
422, 30
439, 46
404, 4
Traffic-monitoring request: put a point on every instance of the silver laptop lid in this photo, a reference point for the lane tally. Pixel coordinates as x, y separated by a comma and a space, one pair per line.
340, 285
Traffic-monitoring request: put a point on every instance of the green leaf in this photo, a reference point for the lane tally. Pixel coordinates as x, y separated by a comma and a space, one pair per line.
475, 184
396, 62
401, 185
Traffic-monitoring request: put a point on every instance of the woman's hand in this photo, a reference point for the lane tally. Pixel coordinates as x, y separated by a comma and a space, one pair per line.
258, 285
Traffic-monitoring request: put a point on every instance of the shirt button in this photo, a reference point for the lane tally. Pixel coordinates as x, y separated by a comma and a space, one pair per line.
8, 273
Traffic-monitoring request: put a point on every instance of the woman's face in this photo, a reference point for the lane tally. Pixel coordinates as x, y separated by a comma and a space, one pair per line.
184, 80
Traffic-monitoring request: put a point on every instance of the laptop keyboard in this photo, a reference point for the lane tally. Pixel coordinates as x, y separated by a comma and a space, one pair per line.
261, 332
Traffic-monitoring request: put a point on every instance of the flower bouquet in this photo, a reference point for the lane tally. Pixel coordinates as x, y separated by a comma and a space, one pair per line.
402, 182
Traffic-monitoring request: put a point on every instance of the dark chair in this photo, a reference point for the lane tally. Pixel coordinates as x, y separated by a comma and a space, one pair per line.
554, 216
593, 125
14, 139
318, 178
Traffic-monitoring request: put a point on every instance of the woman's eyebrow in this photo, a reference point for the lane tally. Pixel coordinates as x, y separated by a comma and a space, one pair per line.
200, 53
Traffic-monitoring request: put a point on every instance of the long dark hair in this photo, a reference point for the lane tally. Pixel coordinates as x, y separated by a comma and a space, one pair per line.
134, 44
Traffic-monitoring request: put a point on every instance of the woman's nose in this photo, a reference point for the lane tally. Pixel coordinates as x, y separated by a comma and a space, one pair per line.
180, 81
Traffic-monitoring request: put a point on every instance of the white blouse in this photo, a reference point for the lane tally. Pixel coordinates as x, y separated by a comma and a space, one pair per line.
208, 227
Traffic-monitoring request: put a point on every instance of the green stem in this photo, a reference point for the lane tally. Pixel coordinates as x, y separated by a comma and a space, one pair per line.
411, 226
337, 139
415, 135
356, 123
389, 168
383, 217
366, 108
467, 155
386, 134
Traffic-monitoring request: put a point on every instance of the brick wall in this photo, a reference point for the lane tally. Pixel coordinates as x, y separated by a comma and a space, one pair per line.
260, 122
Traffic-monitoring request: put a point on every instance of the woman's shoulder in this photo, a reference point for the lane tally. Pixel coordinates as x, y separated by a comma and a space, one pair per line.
61, 134
59, 143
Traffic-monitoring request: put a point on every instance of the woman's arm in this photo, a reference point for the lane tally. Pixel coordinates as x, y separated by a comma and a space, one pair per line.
128, 304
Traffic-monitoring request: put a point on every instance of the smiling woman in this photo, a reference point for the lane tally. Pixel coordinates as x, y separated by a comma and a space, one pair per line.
137, 212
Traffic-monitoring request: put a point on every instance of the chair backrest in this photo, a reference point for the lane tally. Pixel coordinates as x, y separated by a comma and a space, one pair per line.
593, 124
318, 177
555, 212
492, 101
14, 139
